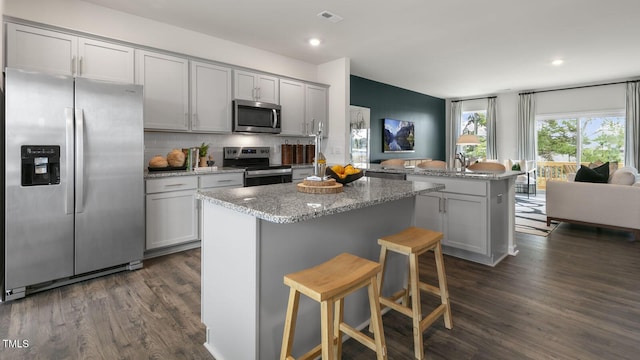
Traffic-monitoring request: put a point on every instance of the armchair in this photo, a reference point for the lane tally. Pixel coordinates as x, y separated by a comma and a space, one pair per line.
526, 183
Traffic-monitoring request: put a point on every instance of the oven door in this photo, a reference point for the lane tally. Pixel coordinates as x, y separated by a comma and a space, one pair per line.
256, 117
267, 177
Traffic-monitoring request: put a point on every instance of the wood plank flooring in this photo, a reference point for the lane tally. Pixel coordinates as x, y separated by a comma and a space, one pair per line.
151, 313
572, 295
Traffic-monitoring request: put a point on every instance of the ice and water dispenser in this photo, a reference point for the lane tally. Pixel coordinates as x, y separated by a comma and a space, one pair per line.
40, 165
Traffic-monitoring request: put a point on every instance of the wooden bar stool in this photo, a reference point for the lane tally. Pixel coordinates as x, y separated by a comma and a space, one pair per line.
328, 284
413, 242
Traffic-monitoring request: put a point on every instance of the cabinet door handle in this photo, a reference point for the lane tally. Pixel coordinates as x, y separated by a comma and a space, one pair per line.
73, 65
224, 181
172, 185
80, 66
444, 206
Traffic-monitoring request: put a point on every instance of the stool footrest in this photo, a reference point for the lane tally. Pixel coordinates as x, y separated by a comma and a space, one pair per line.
395, 306
311, 354
397, 295
429, 288
357, 335
433, 316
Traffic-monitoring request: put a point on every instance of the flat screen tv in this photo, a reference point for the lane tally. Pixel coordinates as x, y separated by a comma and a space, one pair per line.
398, 136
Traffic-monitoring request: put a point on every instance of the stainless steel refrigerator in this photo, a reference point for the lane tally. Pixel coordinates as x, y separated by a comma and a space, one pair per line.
73, 181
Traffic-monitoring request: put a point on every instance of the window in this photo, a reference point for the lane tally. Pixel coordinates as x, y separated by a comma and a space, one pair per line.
581, 138
475, 122
564, 142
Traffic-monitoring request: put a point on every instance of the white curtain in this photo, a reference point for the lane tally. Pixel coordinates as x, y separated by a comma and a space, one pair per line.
454, 124
632, 133
492, 149
527, 127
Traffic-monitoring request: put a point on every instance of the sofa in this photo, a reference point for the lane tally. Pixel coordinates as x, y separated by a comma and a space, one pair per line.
614, 204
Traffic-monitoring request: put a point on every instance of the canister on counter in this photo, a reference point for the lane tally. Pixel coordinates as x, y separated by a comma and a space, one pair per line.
299, 153
287, 153
310, 153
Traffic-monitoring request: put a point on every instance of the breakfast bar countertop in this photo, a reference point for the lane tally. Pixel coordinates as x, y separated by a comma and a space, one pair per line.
487, 175
283, 204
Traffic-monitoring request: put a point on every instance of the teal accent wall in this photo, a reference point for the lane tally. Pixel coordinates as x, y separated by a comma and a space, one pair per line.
386, 101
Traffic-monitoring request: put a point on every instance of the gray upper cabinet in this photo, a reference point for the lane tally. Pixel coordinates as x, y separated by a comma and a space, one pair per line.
105, 61
57, 53
292, 113
210, 98
316, 108
166, 90
256, 87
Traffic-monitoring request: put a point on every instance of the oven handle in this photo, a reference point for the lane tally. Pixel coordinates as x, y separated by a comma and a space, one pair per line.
264, 173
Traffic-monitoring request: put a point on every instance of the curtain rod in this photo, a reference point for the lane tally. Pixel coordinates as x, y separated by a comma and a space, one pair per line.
577, 87
478, 98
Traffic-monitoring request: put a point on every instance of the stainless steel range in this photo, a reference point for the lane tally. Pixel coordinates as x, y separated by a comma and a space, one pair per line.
255, 161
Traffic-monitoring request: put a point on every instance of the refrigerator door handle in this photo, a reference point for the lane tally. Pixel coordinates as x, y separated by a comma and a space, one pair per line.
68, 205
79, 161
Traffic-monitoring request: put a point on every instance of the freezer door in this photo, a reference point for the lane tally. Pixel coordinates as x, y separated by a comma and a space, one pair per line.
109, 174
38, 219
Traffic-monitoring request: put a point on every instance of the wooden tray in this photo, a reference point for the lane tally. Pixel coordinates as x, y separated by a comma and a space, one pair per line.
327, 182
329, 189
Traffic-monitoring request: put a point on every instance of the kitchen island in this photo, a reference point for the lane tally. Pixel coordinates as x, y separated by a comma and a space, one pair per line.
254, 236
475, 211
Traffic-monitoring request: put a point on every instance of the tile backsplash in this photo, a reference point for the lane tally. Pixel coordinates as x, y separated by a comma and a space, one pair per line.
160, 143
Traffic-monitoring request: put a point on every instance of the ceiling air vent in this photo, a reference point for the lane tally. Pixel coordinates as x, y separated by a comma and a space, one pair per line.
330, 16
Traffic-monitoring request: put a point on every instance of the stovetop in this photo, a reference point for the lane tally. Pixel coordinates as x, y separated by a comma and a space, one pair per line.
259, 167
249, 158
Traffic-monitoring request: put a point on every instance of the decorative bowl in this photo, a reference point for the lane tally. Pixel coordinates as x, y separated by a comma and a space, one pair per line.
344, 180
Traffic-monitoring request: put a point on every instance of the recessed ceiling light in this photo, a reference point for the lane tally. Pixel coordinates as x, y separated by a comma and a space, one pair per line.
557, 62
314, 42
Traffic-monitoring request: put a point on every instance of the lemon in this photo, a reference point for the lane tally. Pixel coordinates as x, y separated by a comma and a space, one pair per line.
338, 169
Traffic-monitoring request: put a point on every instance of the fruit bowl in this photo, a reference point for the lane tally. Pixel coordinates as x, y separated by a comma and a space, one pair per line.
344, 180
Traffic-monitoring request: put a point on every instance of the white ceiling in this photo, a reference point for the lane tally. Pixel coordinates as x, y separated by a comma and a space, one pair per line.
443, 48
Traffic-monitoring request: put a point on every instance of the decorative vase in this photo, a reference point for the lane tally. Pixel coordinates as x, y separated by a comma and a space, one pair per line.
203, 161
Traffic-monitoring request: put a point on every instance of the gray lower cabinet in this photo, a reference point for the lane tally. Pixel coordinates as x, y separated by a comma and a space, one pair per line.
472, 214
301, 173
172, 210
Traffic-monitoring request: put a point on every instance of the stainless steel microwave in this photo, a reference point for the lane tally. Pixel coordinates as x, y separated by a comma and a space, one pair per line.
256, 117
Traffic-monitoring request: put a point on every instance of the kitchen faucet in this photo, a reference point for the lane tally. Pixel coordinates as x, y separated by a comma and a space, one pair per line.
462, 159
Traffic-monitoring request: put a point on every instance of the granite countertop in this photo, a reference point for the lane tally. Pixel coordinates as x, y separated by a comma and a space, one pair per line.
486, 175
160, 174
283, 204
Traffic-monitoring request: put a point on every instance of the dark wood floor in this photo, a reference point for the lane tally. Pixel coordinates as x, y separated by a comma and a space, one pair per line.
151, 313
572, 295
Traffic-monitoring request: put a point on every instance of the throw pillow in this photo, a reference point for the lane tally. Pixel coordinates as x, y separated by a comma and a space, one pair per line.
599, 174
515, 167
597, 163
623, 176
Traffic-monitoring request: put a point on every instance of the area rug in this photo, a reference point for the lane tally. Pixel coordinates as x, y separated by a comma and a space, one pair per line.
531, 217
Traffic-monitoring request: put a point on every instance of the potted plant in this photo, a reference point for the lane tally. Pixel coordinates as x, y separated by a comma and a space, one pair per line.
203, 154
